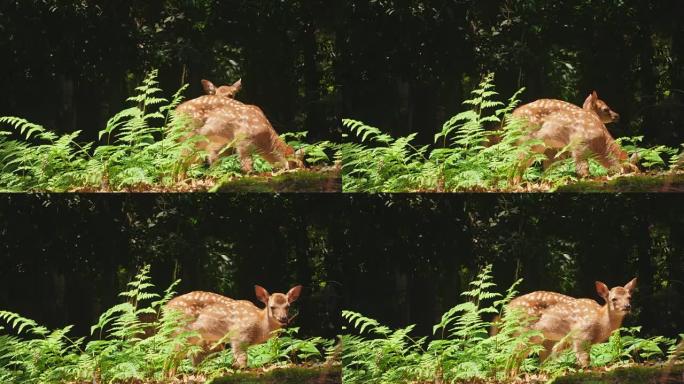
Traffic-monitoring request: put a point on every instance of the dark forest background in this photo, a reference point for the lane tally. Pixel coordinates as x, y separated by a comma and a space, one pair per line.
402, 259
401, 65
71, 64
408, 65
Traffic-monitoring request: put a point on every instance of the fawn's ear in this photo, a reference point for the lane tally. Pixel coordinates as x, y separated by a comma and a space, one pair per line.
293, 294
590, 100
261, 294
602, 290
209, 87
237, 85
631, 285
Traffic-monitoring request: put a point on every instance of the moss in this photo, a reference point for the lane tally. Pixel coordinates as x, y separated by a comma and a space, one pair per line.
289, 375
669, 182
323, 180
627, 375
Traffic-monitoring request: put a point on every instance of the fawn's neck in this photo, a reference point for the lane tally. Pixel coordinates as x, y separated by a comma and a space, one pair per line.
616, 151
280, 146
610, 321
267, 323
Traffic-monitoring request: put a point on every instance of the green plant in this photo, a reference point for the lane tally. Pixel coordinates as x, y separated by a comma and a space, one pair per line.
134, 340
462, 349
653, 157
463, 157
54, 164
141, 147
481, 148
281, 349
389, 165
130, 347
120, 352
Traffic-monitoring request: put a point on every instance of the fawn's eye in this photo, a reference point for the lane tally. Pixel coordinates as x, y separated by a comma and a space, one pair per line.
614, 299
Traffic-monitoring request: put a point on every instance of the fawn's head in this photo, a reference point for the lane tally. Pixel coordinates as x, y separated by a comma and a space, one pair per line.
296, 160
617, 298
278, 304
224, 90
598, 106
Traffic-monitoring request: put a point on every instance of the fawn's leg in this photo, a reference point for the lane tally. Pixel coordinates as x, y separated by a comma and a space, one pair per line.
546, 134
245, 155
548, 348
552, 143
239, 353
525, 160
218, 131
199, 356
579, 154
206, 351
581, 348
550, 154
213, 150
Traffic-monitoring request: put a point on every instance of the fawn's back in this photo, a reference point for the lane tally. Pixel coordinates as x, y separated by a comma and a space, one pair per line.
225, 121
559, 124
193, 303
556, 315
218, 319
214, 316
538, 111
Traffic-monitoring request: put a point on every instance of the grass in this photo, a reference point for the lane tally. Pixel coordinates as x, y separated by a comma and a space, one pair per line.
122, 348
461, 349
139, 149
478, 150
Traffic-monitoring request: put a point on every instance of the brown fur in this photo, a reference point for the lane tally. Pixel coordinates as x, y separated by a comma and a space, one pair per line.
224, 90
225, 121
583, 320
217, 318
559, 124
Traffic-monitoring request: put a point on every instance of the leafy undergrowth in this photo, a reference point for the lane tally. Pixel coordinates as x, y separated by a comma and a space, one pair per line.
140, 149
461, 350
124, 348
468, 154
